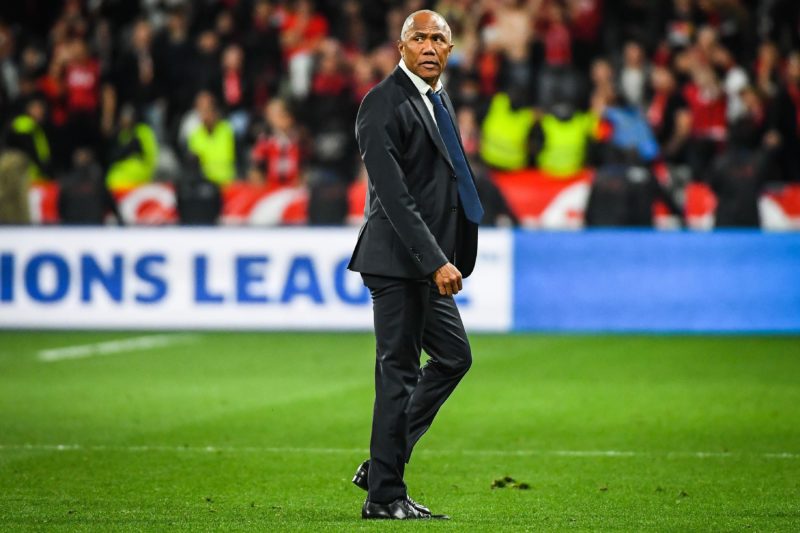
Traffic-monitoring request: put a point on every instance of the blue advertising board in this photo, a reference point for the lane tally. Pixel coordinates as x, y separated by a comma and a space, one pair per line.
297, 278
212, 278
645, 281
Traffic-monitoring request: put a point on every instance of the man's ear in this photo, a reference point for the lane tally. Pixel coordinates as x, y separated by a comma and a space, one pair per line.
400, 46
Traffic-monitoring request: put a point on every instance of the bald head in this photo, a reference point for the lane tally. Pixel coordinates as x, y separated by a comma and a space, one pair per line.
423, 18
425, 44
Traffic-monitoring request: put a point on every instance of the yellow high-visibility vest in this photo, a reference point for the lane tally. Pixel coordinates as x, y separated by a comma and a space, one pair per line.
136, 169
25, 125
216, 150
565, 143
504, 134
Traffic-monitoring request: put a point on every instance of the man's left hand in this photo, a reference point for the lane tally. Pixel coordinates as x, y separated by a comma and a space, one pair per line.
448, 279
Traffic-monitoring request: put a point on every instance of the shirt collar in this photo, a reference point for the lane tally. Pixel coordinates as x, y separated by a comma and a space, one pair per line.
421, 85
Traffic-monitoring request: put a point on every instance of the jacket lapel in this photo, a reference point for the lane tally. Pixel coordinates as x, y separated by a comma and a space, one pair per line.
416, 100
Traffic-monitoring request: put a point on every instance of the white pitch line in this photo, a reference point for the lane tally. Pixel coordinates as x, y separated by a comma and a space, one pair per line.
133, 344
348, 451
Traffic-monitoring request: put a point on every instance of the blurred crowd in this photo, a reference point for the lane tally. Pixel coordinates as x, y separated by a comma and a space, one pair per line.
111, 94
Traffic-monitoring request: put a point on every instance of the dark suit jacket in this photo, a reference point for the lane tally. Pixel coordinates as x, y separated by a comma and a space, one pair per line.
414, 223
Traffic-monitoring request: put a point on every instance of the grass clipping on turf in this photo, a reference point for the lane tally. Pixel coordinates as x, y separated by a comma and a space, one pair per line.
509, 482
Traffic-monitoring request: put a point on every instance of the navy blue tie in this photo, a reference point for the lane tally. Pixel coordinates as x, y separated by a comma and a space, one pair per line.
467, 192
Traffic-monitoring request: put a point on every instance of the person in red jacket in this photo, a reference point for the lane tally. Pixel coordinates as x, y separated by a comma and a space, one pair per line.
277, 155
81, 85
302, 31
708, 104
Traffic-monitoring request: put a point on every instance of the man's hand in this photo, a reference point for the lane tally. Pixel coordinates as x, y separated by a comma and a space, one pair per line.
448, 279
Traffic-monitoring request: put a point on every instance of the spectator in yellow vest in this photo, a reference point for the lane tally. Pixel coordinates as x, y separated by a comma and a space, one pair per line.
562, 140
134, 155
505, 132
213, 142
27, 135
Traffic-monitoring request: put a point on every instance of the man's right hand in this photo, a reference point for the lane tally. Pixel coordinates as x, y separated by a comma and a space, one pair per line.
448, 279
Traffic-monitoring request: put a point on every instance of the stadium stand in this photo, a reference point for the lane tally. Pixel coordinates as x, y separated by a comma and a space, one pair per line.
263, 94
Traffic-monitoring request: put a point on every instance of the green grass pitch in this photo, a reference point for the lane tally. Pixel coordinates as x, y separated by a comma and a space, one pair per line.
262, 432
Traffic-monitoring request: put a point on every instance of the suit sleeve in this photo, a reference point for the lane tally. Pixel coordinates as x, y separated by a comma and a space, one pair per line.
378, 134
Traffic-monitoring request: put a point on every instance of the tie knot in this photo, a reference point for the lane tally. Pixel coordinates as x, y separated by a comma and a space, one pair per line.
434, 97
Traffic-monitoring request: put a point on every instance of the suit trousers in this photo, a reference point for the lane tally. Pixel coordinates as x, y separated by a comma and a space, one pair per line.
410, 315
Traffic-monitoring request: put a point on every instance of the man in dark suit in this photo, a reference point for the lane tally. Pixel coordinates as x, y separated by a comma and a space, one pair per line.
419, 239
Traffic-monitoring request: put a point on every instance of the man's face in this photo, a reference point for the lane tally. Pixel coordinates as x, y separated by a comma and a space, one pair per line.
425, 47
37, 111
206, 109
278, 117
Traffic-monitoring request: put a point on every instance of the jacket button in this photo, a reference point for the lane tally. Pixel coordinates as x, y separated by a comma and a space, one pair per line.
453, 177
453, 209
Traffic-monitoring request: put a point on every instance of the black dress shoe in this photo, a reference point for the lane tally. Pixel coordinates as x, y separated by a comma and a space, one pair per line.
400, 509
361, 476
360, 480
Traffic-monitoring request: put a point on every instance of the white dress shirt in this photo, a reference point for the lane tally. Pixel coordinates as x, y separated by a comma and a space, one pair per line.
423, 87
